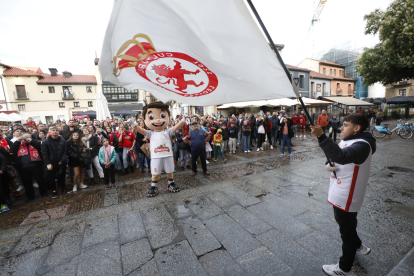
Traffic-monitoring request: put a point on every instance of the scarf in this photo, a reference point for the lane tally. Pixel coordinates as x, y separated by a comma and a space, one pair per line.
34, 154
4, 144
86, 138
107, 153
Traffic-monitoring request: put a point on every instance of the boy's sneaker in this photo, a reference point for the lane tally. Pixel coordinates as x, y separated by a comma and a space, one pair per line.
55, 194
290, 155
248, 151
234, 151
271, 147
35, 185
75, 188
224, 161
215, 160
4, 208
153, 191
281, 155
245, 151
113, 186
363, 250
258, 149
82, 186
107, 187
335, 270
207, 162
173, 188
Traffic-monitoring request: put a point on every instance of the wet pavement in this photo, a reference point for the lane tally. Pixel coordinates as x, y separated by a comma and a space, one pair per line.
256, 214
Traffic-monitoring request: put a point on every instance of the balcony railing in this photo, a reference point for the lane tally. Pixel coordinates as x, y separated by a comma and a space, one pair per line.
21, 96
68, 96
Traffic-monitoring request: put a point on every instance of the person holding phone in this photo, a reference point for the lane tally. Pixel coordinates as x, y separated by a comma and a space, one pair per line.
92, 145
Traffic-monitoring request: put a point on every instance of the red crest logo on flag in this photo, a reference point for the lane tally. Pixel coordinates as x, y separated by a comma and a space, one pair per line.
173, 71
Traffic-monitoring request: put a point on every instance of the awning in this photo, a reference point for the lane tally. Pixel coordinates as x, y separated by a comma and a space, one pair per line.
346, 101
269, 103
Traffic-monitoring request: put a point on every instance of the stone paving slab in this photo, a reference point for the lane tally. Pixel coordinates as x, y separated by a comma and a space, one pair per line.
220, 263
148, 269
31, 242
247, 220
178, 209
200, 239
65, 269
236, 240
178, 259
131, 227
111, 197
243, 198
160, 226
101, 230
203, 207
262, 261
135, 254
220, 199
101, 259
24, 265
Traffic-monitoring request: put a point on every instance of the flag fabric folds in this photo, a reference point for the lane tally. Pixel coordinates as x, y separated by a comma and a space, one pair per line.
193, 51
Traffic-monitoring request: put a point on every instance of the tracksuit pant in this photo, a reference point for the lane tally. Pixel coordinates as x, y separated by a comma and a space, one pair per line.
232, 144
218, 149
36, 172
184, 157
109, 173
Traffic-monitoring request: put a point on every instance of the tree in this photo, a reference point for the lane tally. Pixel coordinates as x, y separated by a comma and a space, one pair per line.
392, 59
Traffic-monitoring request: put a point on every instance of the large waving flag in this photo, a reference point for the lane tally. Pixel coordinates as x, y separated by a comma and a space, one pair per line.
196, 52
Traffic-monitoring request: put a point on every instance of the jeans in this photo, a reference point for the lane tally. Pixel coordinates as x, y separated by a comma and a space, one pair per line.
109, 172
126, 158
285, 142
324, 129
184, 157
240, 136
118, 165
57, 172
144, 160
35, 172
253, 136
218, 148
246, 142
274, 136
195, 153
347, 222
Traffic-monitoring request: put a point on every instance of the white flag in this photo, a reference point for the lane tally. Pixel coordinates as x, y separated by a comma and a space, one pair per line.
196, 52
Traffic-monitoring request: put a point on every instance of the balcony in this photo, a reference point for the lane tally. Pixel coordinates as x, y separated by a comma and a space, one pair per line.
21, 95
68, 96
403, 82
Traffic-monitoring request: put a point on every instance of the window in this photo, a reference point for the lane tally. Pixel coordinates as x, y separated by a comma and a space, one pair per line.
90, 104
67, 92
76, 104
330, 72
323, 89
51, 89
338, 88
61, 117
301, 81
62, 104
340, 73
36, 119
349, 89
21, 107
88, 89
324, 71
334, 72
21, 92
403, 92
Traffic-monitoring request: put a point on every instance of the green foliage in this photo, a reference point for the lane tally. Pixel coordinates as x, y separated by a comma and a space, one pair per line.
392, 59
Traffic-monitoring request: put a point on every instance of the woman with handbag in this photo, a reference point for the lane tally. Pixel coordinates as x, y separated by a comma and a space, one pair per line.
92, 146
75, 150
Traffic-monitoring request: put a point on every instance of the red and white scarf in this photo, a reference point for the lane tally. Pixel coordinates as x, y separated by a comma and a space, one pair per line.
34, 154
4, 144
111, 139
107, 154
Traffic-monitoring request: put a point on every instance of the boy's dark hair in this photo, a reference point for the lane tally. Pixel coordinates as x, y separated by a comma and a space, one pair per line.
357, 119
159, 104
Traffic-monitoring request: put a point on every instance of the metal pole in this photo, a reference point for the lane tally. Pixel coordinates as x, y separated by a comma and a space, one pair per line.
272, 44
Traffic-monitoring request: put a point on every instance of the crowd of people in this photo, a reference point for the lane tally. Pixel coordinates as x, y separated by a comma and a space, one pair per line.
36, 156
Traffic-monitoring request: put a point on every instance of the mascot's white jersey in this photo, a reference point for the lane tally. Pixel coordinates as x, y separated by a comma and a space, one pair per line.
347, 191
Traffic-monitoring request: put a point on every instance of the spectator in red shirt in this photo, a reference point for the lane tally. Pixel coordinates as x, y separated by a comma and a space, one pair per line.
323, 121
361, 111
127, 138
31, 122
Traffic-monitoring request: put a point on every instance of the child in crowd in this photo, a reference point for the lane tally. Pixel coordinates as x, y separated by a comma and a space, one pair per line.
233, 135
218, 141
225, 134
107, 157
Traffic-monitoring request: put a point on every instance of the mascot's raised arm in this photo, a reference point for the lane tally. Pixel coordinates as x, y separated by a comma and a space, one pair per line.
157, 118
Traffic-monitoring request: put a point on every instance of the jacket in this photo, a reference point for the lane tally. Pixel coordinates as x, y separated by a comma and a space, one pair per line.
181, 144
290, 131
268, 125
67, 133
93, 143
218, 139
115, 141
74, 151
101, 156
54, 151
233, 132
3, 163
25, 161
275, 122
225, 134
295, 120
323, 120
335, 124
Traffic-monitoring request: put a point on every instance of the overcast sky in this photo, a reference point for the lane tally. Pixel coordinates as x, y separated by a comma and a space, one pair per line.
66, 34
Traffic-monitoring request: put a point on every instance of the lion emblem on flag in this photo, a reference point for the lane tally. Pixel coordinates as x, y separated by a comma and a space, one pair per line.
176, 72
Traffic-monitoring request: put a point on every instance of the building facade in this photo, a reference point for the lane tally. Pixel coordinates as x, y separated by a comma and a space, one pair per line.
403, 88
48, 97
340, 85
320, 85
301, 77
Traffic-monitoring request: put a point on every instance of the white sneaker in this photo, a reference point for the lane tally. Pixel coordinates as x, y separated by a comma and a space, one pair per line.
82, 186
290, 155
281, 155
75, 188
258, 149
207, 162
271, 147
35, 185
20, 188
364, 250
245, 151
248, 151
234, 152
335, 270
261, 148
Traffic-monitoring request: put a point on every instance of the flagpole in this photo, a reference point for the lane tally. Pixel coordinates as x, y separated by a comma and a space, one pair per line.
272, 44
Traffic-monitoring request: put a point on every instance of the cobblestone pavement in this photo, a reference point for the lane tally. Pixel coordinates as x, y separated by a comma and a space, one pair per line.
257, 214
